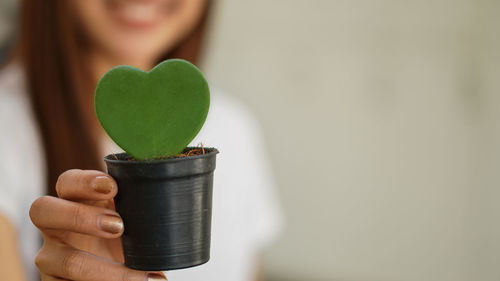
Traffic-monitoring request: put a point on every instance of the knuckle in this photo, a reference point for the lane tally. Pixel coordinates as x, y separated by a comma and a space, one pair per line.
78, 216
64, 177
37, 207
41, 259
73, 264
127, 275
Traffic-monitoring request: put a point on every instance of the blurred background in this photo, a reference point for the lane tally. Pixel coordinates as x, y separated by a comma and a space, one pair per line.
382, 121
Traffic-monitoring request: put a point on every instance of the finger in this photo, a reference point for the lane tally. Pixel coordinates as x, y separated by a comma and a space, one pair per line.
86, 185
45, 277
54, 213
65, 262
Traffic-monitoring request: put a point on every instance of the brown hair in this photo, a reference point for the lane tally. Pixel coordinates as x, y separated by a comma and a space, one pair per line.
50, 48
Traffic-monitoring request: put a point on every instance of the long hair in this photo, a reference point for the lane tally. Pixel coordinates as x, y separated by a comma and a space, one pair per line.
51, 49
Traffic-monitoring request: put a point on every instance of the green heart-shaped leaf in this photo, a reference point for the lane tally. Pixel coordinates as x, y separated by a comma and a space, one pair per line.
156, 113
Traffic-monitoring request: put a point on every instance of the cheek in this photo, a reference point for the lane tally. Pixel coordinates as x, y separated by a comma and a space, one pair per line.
176, 25
95, 20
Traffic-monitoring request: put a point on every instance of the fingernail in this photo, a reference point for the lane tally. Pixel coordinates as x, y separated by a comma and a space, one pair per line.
111, 224
102, 184
156, 277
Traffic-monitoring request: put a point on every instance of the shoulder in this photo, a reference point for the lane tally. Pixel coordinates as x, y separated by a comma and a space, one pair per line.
16, 118
11, 78
229, 125
228, 116
225, 105
21, 165
13, 96
17, 123
232, 128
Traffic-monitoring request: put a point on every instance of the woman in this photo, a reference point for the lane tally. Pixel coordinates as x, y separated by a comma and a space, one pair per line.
50, 129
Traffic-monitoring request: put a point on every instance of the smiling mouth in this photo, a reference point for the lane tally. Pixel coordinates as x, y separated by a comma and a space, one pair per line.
142, 13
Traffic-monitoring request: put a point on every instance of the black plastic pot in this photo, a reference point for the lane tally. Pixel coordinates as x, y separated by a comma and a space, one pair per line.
166, 207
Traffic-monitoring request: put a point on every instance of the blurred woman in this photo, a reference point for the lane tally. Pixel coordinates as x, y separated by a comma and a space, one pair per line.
49, 130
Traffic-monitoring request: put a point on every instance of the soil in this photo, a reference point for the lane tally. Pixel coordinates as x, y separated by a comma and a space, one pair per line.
190, 151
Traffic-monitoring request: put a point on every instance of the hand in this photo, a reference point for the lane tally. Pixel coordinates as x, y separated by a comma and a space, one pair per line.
81, 231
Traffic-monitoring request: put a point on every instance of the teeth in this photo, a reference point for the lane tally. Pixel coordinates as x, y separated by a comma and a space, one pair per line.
136, 11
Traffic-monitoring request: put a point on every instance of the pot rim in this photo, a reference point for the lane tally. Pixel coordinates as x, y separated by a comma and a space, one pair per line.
111, 159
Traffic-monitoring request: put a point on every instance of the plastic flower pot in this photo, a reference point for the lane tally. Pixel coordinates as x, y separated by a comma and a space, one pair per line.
166, 207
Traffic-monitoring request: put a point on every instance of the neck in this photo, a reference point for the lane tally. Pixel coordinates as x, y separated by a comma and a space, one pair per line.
101, 63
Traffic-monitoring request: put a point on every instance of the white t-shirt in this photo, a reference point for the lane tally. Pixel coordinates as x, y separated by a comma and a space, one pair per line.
245, 214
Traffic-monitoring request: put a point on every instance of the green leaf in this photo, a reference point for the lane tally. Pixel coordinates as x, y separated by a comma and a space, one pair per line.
156, 113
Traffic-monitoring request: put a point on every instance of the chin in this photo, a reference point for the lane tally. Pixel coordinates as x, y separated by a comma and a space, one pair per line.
133, 48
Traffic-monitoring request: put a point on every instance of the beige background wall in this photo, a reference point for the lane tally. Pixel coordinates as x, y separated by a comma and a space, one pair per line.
382, 119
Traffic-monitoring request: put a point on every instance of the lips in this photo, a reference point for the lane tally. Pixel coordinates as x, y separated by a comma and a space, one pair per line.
141, 13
